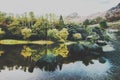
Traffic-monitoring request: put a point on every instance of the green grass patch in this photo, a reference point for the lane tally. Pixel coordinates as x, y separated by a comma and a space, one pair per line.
13, 42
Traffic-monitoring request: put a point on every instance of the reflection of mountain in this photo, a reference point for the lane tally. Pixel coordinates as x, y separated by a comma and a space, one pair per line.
48, 58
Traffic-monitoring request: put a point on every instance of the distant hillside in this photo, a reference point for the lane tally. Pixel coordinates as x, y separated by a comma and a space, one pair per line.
95, 15
113, 14
73, 17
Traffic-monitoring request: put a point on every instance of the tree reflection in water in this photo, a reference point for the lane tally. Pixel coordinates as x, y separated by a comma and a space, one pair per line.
47, 58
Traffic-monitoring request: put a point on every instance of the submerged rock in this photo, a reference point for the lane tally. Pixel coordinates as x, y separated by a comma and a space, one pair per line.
77, 48
95, 53
101, 42
93, 48
107, 48
102, 60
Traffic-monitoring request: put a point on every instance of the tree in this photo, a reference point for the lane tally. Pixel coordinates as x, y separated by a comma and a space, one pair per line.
14, 27
32, 18
103, 24
86, 22
61, 23
98, 19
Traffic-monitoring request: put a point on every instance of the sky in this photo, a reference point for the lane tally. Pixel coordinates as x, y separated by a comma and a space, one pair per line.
59, 7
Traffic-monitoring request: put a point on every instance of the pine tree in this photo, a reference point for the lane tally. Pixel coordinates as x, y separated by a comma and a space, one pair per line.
61, 22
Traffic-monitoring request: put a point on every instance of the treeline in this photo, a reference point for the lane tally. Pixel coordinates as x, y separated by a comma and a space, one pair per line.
47, 27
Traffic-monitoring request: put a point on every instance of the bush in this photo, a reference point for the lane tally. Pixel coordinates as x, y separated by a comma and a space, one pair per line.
103, 24
63, 34
53, 34
26, 32
73, 29
26, 52
77, 36
1, 31
56, 35
61, 50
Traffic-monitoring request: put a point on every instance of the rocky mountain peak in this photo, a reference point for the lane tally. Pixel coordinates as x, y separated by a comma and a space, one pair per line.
113, 13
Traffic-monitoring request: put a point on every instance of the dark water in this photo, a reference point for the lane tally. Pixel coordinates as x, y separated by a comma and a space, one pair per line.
59, 62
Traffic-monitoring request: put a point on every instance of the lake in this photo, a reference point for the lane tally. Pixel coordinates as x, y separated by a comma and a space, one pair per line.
59, 62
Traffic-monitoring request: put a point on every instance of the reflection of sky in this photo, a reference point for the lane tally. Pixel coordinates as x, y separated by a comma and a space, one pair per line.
97, 67
72, 70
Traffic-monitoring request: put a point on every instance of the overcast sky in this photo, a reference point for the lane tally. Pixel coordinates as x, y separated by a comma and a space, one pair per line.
64, 7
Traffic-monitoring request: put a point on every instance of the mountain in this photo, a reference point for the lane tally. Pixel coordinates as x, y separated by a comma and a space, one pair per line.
113, 13
95, 15
73, 17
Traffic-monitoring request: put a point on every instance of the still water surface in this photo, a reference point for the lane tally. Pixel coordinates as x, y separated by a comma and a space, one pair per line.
58, 62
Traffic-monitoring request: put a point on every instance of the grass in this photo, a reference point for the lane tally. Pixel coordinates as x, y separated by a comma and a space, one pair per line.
13, 42
113, 25
41, 42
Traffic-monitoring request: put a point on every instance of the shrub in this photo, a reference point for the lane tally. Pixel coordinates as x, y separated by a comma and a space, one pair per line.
1, 31
56, 35
26, 52
63, 34
53, 34
26, 32
77, 36
103, 24
61, 50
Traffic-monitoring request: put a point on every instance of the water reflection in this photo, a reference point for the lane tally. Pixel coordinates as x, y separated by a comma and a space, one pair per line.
26, 52
59, 62
1, 52
48, 58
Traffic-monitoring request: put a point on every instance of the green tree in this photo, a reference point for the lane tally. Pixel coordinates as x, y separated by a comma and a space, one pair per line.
32, 18
103, 24
98, 19
86, 23
14, 27
61, 23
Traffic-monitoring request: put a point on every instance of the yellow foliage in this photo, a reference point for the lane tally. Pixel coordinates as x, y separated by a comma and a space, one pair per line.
26, 32
77, 36
58, 35
26, 52
14, 23
62, 50
1, 31
1, 52
63, 34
